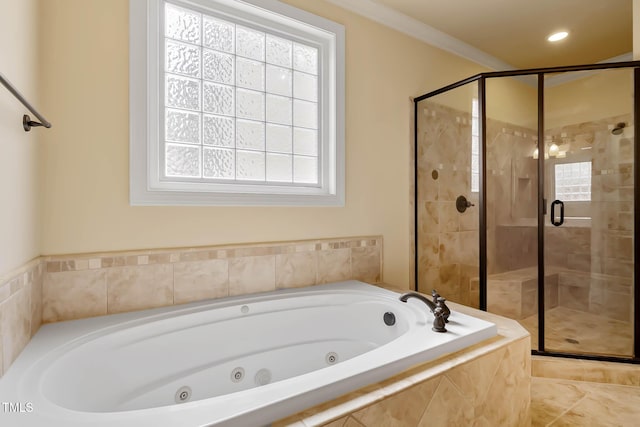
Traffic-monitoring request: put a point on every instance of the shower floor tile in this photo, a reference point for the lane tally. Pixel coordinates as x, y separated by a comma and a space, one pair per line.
573, 331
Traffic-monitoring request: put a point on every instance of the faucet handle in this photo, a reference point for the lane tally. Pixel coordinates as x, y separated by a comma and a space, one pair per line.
440, 302
438, 321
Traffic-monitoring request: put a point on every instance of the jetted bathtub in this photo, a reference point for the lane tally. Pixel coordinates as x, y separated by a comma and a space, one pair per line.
240, 361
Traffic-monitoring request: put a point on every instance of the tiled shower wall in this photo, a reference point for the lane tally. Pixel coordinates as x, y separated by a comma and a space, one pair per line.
52, 289
448, 250
449, 240
606, 250
594, 260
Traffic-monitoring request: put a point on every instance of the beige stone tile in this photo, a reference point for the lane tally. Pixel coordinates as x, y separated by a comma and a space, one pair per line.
612, 373
551, 398
468, 247
429, 251
404, 408
366, 264
550, 367
594, 333
529, 304
474, 378
194, 256
507, 304
5, 291
470, 220
334, 265
622, 374
74, 295
15, 326
139, 287
449, 248
573, 297
36, 301
352, 422
603, 404
199, 280
448, 407
448, 217
253, 251
429, 217
252, 274
17, 283
296, 269
514, 381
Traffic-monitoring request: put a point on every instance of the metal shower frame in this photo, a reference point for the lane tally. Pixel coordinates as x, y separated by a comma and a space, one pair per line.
482, 130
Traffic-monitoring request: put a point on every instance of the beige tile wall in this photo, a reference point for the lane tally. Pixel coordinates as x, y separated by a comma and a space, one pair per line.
449, 240
86, 285
20, 310
490, 390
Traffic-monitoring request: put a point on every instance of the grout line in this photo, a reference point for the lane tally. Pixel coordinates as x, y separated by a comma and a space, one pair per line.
568, 409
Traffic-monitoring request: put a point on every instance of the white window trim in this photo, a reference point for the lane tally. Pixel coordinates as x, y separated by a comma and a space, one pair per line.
145, 106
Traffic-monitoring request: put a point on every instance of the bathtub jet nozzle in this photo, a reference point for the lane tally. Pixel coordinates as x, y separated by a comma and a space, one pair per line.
437, 310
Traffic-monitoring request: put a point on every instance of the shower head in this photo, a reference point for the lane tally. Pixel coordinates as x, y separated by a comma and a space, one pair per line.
618, 129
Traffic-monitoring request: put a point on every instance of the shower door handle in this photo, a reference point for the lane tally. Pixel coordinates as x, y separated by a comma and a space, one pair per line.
553, 213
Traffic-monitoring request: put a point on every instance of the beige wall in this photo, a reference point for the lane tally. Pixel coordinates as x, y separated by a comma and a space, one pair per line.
85, 167
605, 94
508, 100
18, 150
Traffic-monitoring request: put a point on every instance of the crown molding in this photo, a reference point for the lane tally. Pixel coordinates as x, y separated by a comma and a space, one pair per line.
421, 31
576, 75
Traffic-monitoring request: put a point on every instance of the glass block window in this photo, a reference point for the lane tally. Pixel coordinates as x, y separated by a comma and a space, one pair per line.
240, 103
475, 147
573, 181
235, 103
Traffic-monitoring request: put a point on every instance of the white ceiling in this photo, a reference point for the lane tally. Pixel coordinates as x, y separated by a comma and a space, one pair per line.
514, 31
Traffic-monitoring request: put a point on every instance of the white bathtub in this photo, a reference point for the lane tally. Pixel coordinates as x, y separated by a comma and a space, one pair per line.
247, 360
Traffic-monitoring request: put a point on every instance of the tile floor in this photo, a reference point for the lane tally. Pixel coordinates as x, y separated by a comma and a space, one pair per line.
585, 333
567, 402
559, 402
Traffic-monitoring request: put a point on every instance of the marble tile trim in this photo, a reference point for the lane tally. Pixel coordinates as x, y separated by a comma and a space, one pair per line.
77, 262
86, 285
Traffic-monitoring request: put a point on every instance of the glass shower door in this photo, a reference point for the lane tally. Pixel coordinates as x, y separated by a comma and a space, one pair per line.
447, 234
512, 202
588, 231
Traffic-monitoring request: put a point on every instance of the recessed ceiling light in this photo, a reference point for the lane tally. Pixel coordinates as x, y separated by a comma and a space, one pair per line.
560, 35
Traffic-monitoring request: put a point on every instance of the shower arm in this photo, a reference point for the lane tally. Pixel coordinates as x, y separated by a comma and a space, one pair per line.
27, 123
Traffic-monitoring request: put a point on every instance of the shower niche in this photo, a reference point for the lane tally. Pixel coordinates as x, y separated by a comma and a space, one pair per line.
548, 159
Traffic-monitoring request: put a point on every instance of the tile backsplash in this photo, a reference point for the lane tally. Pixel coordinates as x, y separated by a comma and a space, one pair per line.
66, 287
85, 285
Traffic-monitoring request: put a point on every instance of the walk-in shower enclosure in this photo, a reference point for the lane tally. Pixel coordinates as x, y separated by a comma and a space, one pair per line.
526, 203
